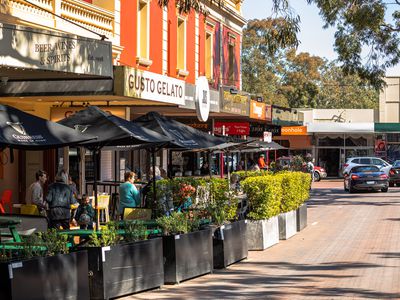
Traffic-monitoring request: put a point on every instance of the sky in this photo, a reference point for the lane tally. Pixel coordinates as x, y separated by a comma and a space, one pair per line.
313, 37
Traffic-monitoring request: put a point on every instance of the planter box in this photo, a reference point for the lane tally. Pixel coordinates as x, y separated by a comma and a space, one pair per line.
230, 244
187, 255
301, 216
125, 269
62, 276
262, 234
287, 225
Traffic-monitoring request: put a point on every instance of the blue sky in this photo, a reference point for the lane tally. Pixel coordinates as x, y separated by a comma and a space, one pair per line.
314, 39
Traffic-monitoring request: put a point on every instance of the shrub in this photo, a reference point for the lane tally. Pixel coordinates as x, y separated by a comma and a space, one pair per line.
109, 236
264, 194
135, 231
245, 174
292, 189
178, 223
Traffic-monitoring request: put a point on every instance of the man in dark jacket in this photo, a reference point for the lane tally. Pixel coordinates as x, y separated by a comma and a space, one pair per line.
60, 197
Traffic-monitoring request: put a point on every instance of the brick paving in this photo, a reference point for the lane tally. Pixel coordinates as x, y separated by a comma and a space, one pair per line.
350, 250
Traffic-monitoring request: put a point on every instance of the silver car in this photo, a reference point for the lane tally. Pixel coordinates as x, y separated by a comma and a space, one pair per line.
356, 161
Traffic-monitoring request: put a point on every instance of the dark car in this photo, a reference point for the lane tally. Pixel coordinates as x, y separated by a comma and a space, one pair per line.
366, 178
394, 174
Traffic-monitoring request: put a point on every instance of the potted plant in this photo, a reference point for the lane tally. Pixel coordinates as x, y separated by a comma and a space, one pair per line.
41, 267
121, 265
187, 250
304, 194
264, 194
229, 234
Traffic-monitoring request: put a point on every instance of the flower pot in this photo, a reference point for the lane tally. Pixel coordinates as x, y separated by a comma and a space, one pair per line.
287, 225
187, 255
62, 276
262, 234
301, 215
230, 244
125, 268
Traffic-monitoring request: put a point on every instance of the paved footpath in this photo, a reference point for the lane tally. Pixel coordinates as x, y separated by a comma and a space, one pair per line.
350, 250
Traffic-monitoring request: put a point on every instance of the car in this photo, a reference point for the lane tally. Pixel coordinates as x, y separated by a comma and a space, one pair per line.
394, 174
319, 172
366, 177
375, 161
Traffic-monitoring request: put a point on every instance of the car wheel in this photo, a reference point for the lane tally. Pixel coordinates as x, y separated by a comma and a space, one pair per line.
391, 184
317, 177
385, 189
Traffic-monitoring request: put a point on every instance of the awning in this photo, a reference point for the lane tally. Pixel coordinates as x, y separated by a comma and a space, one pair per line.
387, 127
334, 127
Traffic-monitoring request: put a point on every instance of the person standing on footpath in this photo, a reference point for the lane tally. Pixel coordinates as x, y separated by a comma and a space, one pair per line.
128, 194
35, 192
60, 198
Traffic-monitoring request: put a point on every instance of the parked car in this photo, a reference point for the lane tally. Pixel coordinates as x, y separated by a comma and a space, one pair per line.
375, 161
394, 174
366, 178
319, 172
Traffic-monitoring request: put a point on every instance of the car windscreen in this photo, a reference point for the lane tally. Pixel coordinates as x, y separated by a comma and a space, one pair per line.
362, 169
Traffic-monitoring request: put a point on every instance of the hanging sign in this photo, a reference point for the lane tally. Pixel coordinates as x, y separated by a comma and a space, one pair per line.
267, 136
257, 110
202, 99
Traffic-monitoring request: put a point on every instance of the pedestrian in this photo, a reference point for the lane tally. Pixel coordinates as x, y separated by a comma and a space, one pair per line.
85, 213
60, 198
35, 192
310, 168
261, 162
129, 196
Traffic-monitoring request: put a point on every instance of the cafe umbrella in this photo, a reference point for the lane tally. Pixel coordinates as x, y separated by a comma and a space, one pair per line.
21, 130
110, 130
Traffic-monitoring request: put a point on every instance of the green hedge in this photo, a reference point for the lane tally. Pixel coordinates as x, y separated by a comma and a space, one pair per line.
245, 174
264, 194
272, 194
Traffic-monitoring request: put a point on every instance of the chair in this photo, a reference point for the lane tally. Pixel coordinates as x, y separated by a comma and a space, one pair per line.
134, 213
102, 205
6, 200
29, 209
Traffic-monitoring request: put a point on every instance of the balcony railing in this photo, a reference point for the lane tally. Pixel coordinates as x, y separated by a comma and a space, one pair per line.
90, 16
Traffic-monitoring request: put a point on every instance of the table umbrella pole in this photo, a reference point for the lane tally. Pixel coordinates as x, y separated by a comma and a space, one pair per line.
94, 154
153, 153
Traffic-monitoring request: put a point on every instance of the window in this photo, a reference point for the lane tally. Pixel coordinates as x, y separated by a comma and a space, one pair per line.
181, 45
209, 55
365, 161
231, 72
143, 33
377, 162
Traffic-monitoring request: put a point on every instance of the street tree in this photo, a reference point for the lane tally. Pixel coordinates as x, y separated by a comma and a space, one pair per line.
361, 27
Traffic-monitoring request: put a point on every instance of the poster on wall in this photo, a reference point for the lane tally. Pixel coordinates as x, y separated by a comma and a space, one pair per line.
380, 148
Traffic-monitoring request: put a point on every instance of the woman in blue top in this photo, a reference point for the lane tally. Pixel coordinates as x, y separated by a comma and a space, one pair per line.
128, 194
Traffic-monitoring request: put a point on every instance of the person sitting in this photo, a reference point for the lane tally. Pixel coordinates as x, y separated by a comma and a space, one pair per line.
85, 213
205, 168
128, 194
60, 198
35, 192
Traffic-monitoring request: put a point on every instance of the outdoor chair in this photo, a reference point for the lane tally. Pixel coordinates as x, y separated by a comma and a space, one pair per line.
102, 206
6, 200
136, 213
29, 209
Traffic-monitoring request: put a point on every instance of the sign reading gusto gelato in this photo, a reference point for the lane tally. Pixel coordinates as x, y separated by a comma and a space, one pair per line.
150, 86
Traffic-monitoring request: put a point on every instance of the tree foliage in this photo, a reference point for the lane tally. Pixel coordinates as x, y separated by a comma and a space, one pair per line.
360, 24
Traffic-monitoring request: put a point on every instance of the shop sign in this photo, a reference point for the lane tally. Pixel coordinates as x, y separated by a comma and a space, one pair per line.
59, 113
257, 110
202, 99
234, 102
268, 113
232, 128
267, 136
190, 91
257, 130
150, 86
294, 130
45, 50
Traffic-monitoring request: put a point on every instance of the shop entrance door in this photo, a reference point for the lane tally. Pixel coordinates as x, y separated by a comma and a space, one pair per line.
330, 160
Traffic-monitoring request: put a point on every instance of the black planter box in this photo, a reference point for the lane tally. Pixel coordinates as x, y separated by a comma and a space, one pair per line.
187, 255
61, 276
301, 213
230, 244
125, 269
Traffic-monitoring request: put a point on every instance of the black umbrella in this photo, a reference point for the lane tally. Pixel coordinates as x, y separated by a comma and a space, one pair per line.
21, 130
182, 136
110, 131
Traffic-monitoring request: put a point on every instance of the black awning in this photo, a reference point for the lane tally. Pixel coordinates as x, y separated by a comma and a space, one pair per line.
21, 130
111, 130
182, 136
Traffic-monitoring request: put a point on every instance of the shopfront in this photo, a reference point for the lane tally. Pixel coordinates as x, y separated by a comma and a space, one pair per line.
387, 141
42, 69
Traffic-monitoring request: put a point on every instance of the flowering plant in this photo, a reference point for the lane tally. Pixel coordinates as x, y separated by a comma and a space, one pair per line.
186, 191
